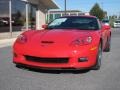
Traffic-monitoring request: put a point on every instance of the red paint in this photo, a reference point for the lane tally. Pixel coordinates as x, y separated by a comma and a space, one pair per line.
60, 44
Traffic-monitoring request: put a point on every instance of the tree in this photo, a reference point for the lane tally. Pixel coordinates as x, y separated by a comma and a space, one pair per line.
97, 11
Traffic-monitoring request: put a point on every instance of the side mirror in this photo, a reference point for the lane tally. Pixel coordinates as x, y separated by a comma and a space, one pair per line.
106, 27
44, 26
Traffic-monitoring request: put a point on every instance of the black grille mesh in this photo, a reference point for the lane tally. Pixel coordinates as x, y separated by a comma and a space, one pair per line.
46, 60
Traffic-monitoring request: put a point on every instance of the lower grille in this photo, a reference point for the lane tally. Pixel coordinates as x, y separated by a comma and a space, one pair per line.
46, 60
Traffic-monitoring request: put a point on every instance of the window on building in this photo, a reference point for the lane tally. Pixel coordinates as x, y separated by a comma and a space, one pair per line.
32, 16
57, 15
51, 18
4, 16
65, 14
18, 15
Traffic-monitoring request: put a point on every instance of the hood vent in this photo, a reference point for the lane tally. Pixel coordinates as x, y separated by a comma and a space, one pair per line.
47, 42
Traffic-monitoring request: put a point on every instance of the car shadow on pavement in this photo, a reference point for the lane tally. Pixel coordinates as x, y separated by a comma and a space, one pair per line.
53, 71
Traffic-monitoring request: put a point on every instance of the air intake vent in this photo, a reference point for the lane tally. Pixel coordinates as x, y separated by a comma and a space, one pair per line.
46, 60
48, 42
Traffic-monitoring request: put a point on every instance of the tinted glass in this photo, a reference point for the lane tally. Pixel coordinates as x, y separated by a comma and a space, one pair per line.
83, 23
4, 16
18, 15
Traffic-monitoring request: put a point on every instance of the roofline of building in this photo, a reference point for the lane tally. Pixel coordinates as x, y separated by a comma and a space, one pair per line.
68, 11
49, 4
64, 11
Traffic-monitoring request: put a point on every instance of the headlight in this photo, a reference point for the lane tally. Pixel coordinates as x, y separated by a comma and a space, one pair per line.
82, 41
22, 39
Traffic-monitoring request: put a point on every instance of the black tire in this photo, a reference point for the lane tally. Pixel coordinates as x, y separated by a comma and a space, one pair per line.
108, 45
19, 66
99, 57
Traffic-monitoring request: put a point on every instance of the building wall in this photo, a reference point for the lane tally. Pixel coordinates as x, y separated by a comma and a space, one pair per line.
40, 16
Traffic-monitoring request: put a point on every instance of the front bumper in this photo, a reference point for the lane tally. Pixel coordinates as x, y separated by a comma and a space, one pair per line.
72, 55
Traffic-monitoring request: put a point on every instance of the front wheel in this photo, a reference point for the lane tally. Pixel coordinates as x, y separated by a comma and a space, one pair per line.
98, 59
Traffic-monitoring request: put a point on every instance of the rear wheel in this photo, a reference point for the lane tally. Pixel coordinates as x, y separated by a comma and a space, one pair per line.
108, 45
99, 57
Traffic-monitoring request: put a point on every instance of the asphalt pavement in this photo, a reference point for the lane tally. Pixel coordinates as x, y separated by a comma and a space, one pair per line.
107, 78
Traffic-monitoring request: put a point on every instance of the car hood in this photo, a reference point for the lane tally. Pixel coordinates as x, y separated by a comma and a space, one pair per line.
58, 36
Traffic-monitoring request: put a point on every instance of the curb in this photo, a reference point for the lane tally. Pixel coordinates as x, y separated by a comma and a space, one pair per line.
7, 42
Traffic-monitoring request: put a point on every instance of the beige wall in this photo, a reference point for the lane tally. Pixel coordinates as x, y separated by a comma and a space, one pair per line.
40, 16
40, 19
43, 5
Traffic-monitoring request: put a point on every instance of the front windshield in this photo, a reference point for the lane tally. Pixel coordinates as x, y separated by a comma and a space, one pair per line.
82, 23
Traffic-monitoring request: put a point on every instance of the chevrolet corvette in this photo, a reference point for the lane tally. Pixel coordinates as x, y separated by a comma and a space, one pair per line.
69, 42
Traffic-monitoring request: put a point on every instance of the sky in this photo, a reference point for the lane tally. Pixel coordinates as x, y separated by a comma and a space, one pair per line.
111, 6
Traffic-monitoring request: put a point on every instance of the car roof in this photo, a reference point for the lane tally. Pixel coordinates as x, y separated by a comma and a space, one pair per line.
89, 16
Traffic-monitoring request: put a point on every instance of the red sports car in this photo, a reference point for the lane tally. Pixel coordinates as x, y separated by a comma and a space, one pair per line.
69, 42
